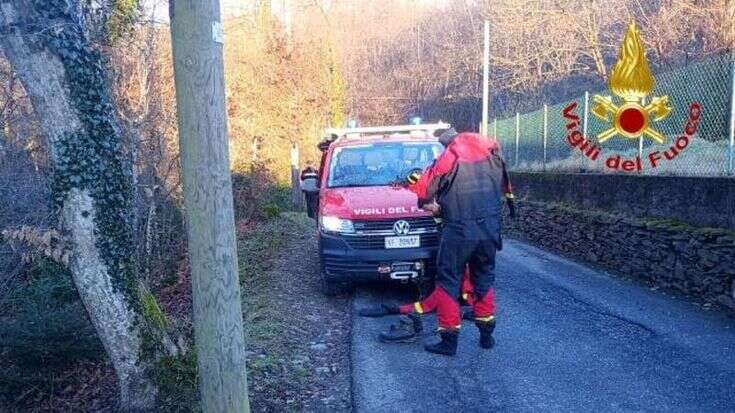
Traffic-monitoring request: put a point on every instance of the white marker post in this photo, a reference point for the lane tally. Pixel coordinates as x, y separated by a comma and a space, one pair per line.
585, 120
586, 112
518, 135
640, 138
297, 198
546, 131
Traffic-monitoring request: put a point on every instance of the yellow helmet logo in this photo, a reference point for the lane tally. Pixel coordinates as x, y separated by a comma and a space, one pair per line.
632, 81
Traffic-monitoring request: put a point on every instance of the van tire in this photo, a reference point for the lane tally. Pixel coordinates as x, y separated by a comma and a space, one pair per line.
333, 288
330, 288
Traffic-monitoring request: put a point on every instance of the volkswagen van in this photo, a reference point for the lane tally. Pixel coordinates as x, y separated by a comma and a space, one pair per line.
370, 226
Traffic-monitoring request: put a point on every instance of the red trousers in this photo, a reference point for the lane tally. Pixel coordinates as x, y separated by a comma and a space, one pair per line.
447, 307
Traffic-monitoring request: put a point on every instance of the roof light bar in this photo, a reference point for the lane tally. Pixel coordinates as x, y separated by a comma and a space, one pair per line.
428, 127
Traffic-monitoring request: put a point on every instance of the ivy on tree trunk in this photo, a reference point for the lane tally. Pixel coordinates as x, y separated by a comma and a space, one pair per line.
46, 44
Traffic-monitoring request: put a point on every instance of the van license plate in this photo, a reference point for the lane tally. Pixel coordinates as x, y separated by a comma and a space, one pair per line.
412, 241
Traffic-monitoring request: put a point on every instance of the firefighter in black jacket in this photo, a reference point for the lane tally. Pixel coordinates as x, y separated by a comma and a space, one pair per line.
469, 181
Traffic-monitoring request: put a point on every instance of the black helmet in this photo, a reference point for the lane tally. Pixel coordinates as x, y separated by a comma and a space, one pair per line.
446, 136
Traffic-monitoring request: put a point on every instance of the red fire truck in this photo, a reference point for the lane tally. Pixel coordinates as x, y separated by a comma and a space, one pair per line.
370, 228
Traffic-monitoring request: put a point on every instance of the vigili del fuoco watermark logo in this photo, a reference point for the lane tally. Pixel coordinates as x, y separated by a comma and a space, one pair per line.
631, 81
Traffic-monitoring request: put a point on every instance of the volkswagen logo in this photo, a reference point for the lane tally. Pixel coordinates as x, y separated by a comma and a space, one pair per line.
401, 227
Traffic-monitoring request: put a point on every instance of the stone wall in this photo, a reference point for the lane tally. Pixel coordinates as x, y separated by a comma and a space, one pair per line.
707, 202
697, 261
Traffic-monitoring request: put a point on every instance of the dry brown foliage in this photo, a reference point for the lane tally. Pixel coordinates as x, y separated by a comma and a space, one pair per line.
404, 57
34, 243
277, 93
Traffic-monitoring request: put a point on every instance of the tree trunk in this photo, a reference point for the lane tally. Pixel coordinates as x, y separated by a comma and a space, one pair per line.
45, 44
196, 38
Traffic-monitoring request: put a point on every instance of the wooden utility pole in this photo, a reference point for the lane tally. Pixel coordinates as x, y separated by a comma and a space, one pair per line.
420, 76
196, 36
486, 78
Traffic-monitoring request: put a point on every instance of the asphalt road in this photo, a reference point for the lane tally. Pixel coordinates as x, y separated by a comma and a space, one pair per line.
569, 338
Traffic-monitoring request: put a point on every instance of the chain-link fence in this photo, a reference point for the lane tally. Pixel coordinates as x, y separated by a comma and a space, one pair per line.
536, 141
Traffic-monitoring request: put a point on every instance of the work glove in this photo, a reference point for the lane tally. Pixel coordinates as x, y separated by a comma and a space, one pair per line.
414, 176
432, 207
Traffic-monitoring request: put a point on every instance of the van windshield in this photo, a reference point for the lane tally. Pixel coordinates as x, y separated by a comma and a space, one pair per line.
380, 163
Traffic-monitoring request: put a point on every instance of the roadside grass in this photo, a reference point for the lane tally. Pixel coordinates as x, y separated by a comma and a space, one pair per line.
264, 320
52, 358
47, 344
259, 243
274, 368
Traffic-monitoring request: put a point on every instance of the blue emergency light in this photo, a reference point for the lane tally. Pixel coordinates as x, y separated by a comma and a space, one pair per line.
416, 120
352, 124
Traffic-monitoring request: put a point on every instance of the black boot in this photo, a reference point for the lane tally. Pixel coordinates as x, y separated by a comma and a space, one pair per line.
486, 333
381, 310
448, 344
404, 331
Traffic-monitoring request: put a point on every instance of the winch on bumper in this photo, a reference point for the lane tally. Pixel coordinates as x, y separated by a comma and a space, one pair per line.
378, 251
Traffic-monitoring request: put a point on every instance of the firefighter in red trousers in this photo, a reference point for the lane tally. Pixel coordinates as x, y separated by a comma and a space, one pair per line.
469, 181
410, 326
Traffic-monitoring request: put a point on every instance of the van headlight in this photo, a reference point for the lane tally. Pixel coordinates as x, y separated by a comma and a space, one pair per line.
335, 224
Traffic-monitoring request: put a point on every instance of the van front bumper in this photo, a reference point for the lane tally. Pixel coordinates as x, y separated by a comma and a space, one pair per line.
342, 261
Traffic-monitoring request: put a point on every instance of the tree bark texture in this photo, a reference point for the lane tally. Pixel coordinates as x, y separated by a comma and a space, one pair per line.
202, 120
45, 44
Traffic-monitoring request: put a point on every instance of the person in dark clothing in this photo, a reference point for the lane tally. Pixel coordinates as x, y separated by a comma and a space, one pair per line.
468, 181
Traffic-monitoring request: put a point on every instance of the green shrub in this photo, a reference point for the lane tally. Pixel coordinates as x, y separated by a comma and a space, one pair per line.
257, 194
48, 326
272, 211
176, 377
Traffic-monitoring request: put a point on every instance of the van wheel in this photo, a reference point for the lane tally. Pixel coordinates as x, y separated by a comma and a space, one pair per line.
332, 288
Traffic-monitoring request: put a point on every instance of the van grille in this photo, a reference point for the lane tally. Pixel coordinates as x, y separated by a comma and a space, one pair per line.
425, 227
374, 242
387, 225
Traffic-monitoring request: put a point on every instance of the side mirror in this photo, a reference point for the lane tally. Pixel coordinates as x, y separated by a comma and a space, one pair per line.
310, 188
309, 185
310, 180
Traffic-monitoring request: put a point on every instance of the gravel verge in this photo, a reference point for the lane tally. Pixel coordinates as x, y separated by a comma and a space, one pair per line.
298, 338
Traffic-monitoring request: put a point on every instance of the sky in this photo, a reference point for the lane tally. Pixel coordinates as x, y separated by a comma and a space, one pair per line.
235, 6
230, 7
159, 8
